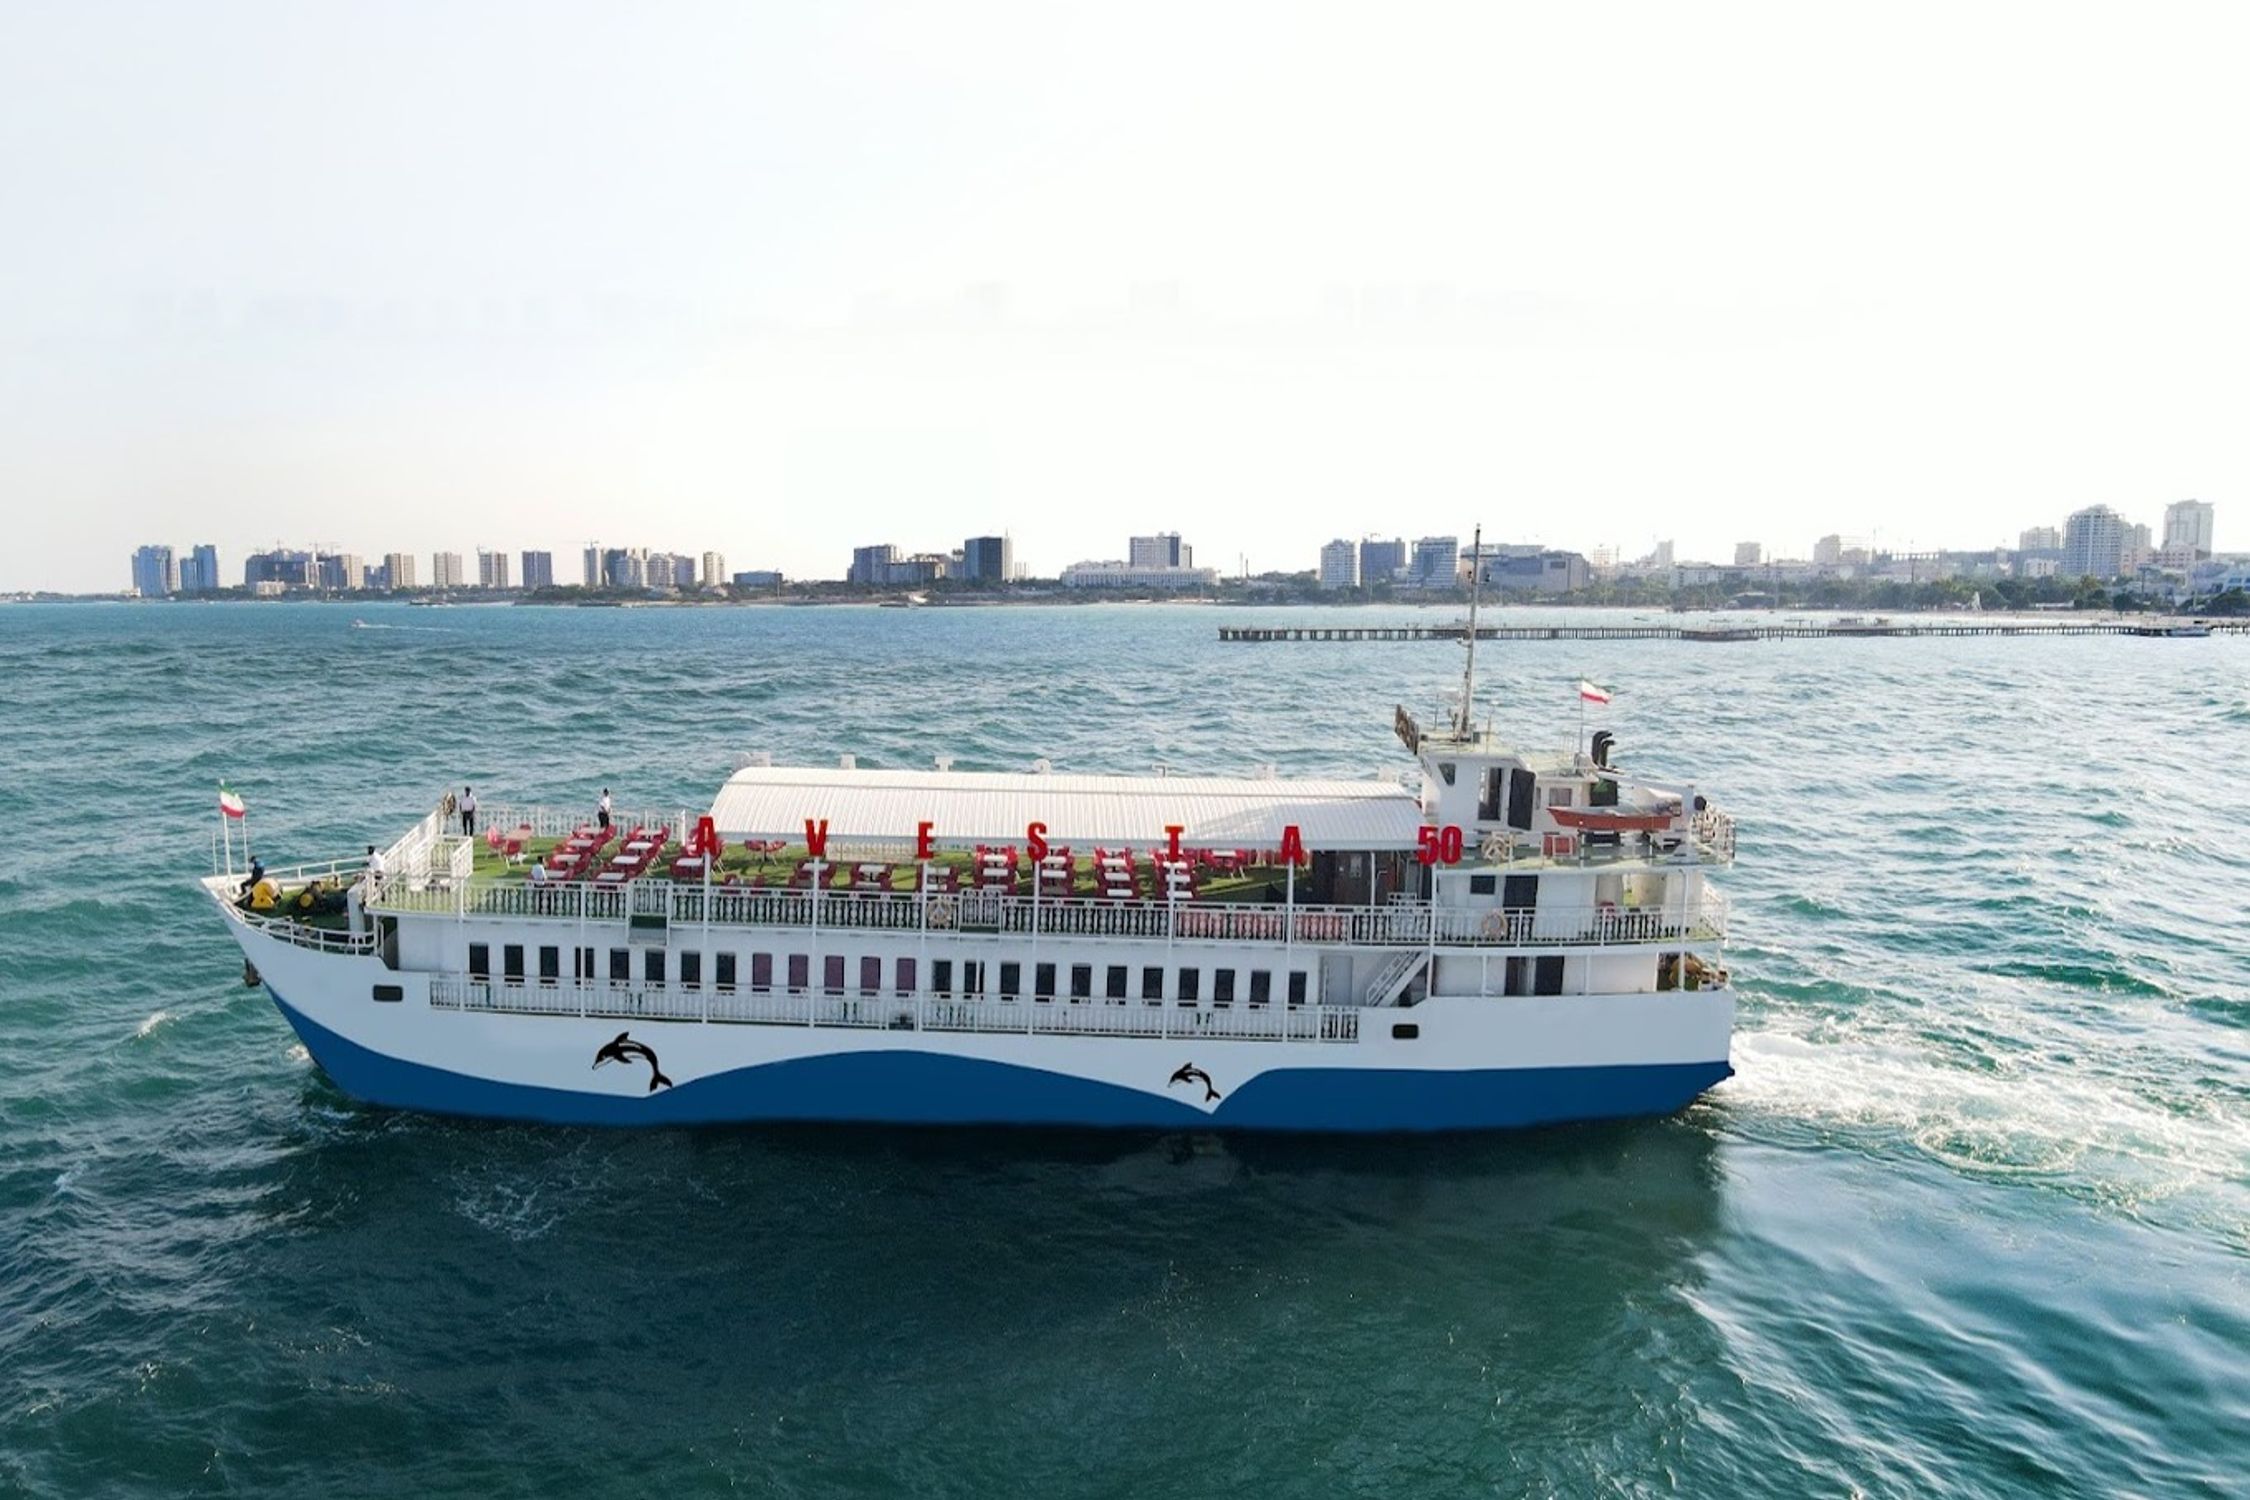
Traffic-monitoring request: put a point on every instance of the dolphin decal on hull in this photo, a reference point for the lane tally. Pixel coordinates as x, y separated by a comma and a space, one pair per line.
1190, 1073
624, 1049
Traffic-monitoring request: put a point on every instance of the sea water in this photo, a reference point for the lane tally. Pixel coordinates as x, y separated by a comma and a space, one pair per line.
1971, 1219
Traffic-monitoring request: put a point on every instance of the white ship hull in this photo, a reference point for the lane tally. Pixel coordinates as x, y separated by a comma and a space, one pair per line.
1447, 1063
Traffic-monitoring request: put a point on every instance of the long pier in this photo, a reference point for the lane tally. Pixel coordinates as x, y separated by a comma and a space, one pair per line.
1715, 633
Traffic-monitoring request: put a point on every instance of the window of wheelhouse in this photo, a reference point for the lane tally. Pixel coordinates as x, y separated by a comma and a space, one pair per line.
1491, 787
1297, 987
1191, 986
1011, 980
620, 966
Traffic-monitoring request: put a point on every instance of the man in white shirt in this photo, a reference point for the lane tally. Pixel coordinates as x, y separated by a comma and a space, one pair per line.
602, 810
468, 812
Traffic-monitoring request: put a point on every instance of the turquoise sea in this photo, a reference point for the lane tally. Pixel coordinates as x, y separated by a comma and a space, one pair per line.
1972, 1219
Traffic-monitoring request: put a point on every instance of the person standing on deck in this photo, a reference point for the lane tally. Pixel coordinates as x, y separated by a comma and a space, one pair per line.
468, 812
374, 867
601, 810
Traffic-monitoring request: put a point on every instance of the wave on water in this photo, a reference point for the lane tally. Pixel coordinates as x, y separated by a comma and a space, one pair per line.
2080, 976
2093, 1136
148, 1027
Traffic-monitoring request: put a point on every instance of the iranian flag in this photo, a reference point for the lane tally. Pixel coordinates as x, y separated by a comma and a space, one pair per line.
232, 805
1588, 693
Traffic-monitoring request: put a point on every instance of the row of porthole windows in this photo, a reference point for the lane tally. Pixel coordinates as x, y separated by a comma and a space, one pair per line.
1151, 983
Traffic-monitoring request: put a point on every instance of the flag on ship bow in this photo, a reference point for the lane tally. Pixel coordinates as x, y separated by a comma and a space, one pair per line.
231, 804
1589, 693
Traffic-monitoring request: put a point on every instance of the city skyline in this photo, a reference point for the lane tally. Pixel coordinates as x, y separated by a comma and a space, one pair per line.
2189, 523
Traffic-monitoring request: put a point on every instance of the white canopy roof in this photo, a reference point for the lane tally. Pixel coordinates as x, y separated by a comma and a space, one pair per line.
971, 807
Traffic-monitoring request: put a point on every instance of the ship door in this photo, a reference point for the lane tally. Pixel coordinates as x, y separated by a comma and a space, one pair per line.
1519, 893
1523, 790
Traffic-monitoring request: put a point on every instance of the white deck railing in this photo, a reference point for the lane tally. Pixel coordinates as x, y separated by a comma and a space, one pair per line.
1399, 924
922, 1012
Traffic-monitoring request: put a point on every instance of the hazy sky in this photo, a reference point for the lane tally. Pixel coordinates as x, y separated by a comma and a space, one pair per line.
777, 279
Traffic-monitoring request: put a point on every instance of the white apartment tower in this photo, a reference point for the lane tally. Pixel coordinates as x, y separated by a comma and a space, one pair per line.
2187, 524
1339, 565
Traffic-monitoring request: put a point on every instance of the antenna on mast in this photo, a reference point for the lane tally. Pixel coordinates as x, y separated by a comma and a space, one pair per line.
1464, 718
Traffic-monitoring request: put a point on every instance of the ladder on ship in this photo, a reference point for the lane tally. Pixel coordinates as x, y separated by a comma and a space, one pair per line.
1394, 978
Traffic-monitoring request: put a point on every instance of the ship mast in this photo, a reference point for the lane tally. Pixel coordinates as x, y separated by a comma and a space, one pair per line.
1463, 720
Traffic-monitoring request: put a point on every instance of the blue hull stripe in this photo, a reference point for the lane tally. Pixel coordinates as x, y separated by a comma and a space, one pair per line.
908, 1087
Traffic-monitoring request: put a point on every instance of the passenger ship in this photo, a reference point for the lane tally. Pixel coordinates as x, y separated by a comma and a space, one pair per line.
1517, 939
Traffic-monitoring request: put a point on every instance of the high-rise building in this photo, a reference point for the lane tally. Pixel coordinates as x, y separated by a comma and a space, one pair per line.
1833, 551
445, 570
155, 574
1380, 560
398, 569
758, 578
1435, 563
594, 574
2187, 523
538, 570
1163, 550
869, 564
1660, 555
2093, 543
2039, 539
625, 568
492, 569
1339, 565
341, 572
714, 571
1749, 554
988, 559
283, 566
199, 570
2140, 547
683, 572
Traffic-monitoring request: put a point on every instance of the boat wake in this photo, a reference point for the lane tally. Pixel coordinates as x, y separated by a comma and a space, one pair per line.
2097, 1138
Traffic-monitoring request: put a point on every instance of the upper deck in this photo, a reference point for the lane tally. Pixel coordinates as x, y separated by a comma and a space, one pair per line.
1495, 850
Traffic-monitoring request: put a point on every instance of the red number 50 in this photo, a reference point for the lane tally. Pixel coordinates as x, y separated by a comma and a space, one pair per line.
1438, 845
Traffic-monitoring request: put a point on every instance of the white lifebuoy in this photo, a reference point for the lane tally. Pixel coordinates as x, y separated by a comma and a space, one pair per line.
941, 912
1495, 924
1494, 849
